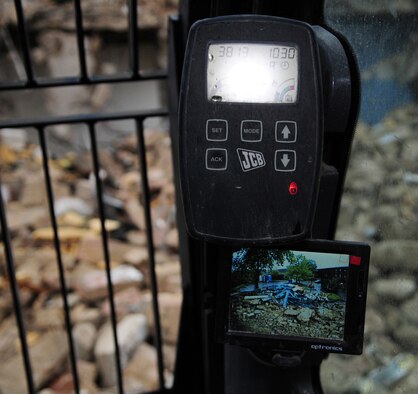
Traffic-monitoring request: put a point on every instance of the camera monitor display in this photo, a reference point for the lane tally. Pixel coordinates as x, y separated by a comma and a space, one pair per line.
313, 294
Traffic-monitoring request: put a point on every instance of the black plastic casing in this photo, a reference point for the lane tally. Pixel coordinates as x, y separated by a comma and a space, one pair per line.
254, 207
354, 313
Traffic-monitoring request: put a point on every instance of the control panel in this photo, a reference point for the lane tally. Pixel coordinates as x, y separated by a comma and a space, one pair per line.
251, 128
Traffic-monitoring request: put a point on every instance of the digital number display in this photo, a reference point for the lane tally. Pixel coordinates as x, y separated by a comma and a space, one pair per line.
252, 73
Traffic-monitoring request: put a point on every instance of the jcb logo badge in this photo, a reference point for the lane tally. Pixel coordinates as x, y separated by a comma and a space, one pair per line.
250, 159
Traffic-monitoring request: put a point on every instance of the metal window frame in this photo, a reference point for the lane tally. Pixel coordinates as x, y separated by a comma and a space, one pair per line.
90, 120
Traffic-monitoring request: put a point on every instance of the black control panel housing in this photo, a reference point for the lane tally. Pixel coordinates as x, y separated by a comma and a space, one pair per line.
250, 171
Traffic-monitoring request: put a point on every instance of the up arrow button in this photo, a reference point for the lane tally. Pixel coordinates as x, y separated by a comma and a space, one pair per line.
286, 131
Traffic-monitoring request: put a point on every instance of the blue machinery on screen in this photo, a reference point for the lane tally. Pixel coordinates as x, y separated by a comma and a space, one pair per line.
289, 293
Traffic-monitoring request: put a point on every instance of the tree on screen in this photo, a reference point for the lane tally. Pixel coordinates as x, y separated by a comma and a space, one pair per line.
301, 269
249, 263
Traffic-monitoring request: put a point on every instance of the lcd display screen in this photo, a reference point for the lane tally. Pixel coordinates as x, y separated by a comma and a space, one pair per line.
252, 73
289, 293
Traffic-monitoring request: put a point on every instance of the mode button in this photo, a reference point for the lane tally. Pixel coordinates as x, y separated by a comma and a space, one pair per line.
251, 131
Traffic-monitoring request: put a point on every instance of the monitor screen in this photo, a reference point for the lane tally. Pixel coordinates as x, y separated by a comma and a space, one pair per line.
252, 73
293, 293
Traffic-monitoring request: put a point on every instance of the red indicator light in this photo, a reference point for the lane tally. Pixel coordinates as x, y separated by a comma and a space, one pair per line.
293, 188
355, 260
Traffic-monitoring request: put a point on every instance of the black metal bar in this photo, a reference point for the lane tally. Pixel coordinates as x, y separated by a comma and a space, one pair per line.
42, 83
133, 37
57, 244
15, 295
80, 40
84, 118
101, 209
151, 251
24, 41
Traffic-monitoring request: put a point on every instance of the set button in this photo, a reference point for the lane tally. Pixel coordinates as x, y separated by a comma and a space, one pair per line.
216, 130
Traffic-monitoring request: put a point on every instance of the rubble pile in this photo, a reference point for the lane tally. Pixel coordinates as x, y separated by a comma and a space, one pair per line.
265, 314
38, 276
380, 206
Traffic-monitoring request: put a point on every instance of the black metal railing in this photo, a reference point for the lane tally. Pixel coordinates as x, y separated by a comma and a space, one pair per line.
90, 120
84, 78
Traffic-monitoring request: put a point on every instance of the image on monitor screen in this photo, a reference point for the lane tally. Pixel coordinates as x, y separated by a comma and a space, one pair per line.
288, 293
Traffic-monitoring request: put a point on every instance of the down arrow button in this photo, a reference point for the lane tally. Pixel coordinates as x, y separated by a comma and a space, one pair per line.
285, 160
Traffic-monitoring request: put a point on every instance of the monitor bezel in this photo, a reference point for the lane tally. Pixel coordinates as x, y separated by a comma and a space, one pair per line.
354, 312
